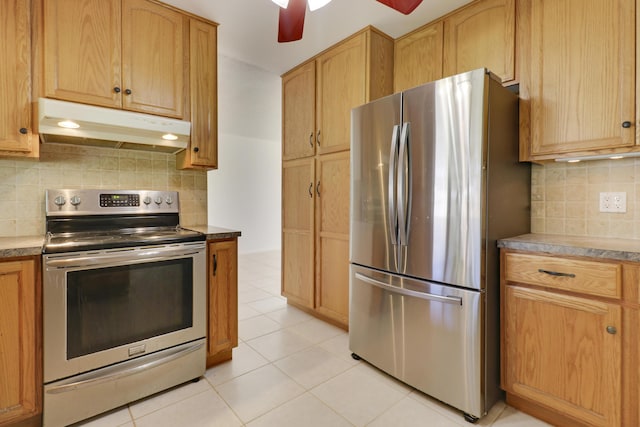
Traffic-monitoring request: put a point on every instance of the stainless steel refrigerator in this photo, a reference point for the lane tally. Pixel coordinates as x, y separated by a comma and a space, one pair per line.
435, 181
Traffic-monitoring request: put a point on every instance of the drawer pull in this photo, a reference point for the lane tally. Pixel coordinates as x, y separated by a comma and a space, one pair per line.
612, 330
555, 273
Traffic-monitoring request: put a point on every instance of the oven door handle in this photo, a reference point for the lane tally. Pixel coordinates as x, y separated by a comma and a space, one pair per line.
98, 377
128, 257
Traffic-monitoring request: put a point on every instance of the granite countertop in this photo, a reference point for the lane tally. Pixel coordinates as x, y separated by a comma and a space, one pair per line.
11, 247
595, 247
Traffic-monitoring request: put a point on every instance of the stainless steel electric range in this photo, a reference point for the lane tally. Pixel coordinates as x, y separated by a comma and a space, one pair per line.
124, 300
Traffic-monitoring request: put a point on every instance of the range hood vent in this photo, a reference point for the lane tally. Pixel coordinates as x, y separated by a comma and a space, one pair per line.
106, 127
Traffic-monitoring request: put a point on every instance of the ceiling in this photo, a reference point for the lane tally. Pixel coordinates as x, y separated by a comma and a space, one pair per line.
248, 28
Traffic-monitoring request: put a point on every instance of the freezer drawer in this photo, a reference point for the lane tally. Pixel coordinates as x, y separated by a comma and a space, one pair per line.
424, 334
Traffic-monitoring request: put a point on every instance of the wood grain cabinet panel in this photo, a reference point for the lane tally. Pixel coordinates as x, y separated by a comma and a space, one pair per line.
482, 35
298, 107
20, 363
222, 294
577, 84
418, 57
16, 137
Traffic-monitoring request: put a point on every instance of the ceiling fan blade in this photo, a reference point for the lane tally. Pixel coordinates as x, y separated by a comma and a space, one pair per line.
291, 21
403, 6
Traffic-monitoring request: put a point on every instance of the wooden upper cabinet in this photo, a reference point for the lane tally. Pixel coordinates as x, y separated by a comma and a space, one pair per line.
298, 107
153, 63
82, 51
16, 138
418, 57
203, 70
115, 53
482, 35
577, 84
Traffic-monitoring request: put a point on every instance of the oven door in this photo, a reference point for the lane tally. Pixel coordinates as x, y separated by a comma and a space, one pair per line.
107, 306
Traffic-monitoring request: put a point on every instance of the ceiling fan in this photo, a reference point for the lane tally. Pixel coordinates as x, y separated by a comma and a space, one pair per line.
291, 19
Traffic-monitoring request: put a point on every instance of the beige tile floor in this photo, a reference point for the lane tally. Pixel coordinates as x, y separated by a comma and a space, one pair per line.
291, 369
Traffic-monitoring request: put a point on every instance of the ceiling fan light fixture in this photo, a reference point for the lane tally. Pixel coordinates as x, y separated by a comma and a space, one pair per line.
282, 3
317, 4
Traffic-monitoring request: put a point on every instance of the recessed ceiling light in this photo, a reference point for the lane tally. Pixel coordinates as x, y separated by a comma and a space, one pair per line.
68, 124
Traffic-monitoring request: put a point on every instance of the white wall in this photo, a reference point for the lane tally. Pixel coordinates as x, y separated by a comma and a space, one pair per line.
244, 193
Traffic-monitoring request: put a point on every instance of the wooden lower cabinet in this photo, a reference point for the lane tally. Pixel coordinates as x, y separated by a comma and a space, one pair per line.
222, 295
20, 343
568, 355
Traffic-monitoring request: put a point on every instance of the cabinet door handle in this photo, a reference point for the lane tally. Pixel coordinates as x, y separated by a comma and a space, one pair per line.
318, 189
626, 125
116, 89
555, 273
311, 139
215, 264
127, 91
612, 330
318, 138
196, 149
24, 131
311, 189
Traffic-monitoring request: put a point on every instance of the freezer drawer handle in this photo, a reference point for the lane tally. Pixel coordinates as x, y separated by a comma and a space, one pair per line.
555, 273
409, 293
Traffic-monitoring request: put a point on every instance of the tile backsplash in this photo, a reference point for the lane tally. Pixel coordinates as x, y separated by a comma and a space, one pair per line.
565, 198
23, 182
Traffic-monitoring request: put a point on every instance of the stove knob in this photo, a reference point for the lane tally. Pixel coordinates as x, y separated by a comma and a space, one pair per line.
158, 200
146, 200
75, 200
169, 200
59, 201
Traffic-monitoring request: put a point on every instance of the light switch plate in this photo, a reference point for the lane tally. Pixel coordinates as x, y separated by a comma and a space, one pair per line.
613, 202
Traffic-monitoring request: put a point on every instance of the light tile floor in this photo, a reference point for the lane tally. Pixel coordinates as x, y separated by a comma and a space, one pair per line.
291, 369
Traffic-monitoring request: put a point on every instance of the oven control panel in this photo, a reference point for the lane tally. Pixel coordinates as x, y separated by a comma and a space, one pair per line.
109, 202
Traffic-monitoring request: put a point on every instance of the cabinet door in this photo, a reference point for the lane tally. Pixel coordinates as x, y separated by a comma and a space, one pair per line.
298, 195
222, 328
481, 35
579, 87
418, 57
298, 109
153, 63
15, 79
82, 51
203, 59
341, 85
21, 386
332, 236
560, 351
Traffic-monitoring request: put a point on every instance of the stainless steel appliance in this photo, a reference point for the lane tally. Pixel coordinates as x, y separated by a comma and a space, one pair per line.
435, 182
124, 300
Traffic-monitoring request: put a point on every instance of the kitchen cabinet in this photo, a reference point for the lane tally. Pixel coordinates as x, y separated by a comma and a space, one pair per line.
222, 294
481, 35
418, 57
16, 137
116, 53
569, 352
577, 78
203, 69
20, 342
316, 140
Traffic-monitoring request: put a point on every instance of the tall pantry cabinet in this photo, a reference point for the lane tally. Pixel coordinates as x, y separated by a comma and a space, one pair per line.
318, 96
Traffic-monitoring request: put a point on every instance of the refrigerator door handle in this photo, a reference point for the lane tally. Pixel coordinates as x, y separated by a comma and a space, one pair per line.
409, 293
404, 184
393, 172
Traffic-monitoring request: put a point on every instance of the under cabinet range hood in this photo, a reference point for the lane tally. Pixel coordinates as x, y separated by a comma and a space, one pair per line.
71, 123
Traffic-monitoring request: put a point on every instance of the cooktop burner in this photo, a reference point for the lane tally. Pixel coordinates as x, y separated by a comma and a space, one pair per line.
82, 220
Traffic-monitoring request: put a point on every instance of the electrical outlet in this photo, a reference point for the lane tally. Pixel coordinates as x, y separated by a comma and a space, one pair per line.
613, 202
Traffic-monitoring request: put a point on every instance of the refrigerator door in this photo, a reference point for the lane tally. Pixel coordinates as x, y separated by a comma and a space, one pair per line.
427, 335
375, 133
441, 180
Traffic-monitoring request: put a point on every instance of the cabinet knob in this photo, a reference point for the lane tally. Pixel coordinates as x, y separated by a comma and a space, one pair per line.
612, 330
23, 131
127, 91
196, 149
626, 125
116, 89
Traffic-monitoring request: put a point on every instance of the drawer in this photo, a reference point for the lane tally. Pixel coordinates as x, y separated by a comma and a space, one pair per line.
586, 277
